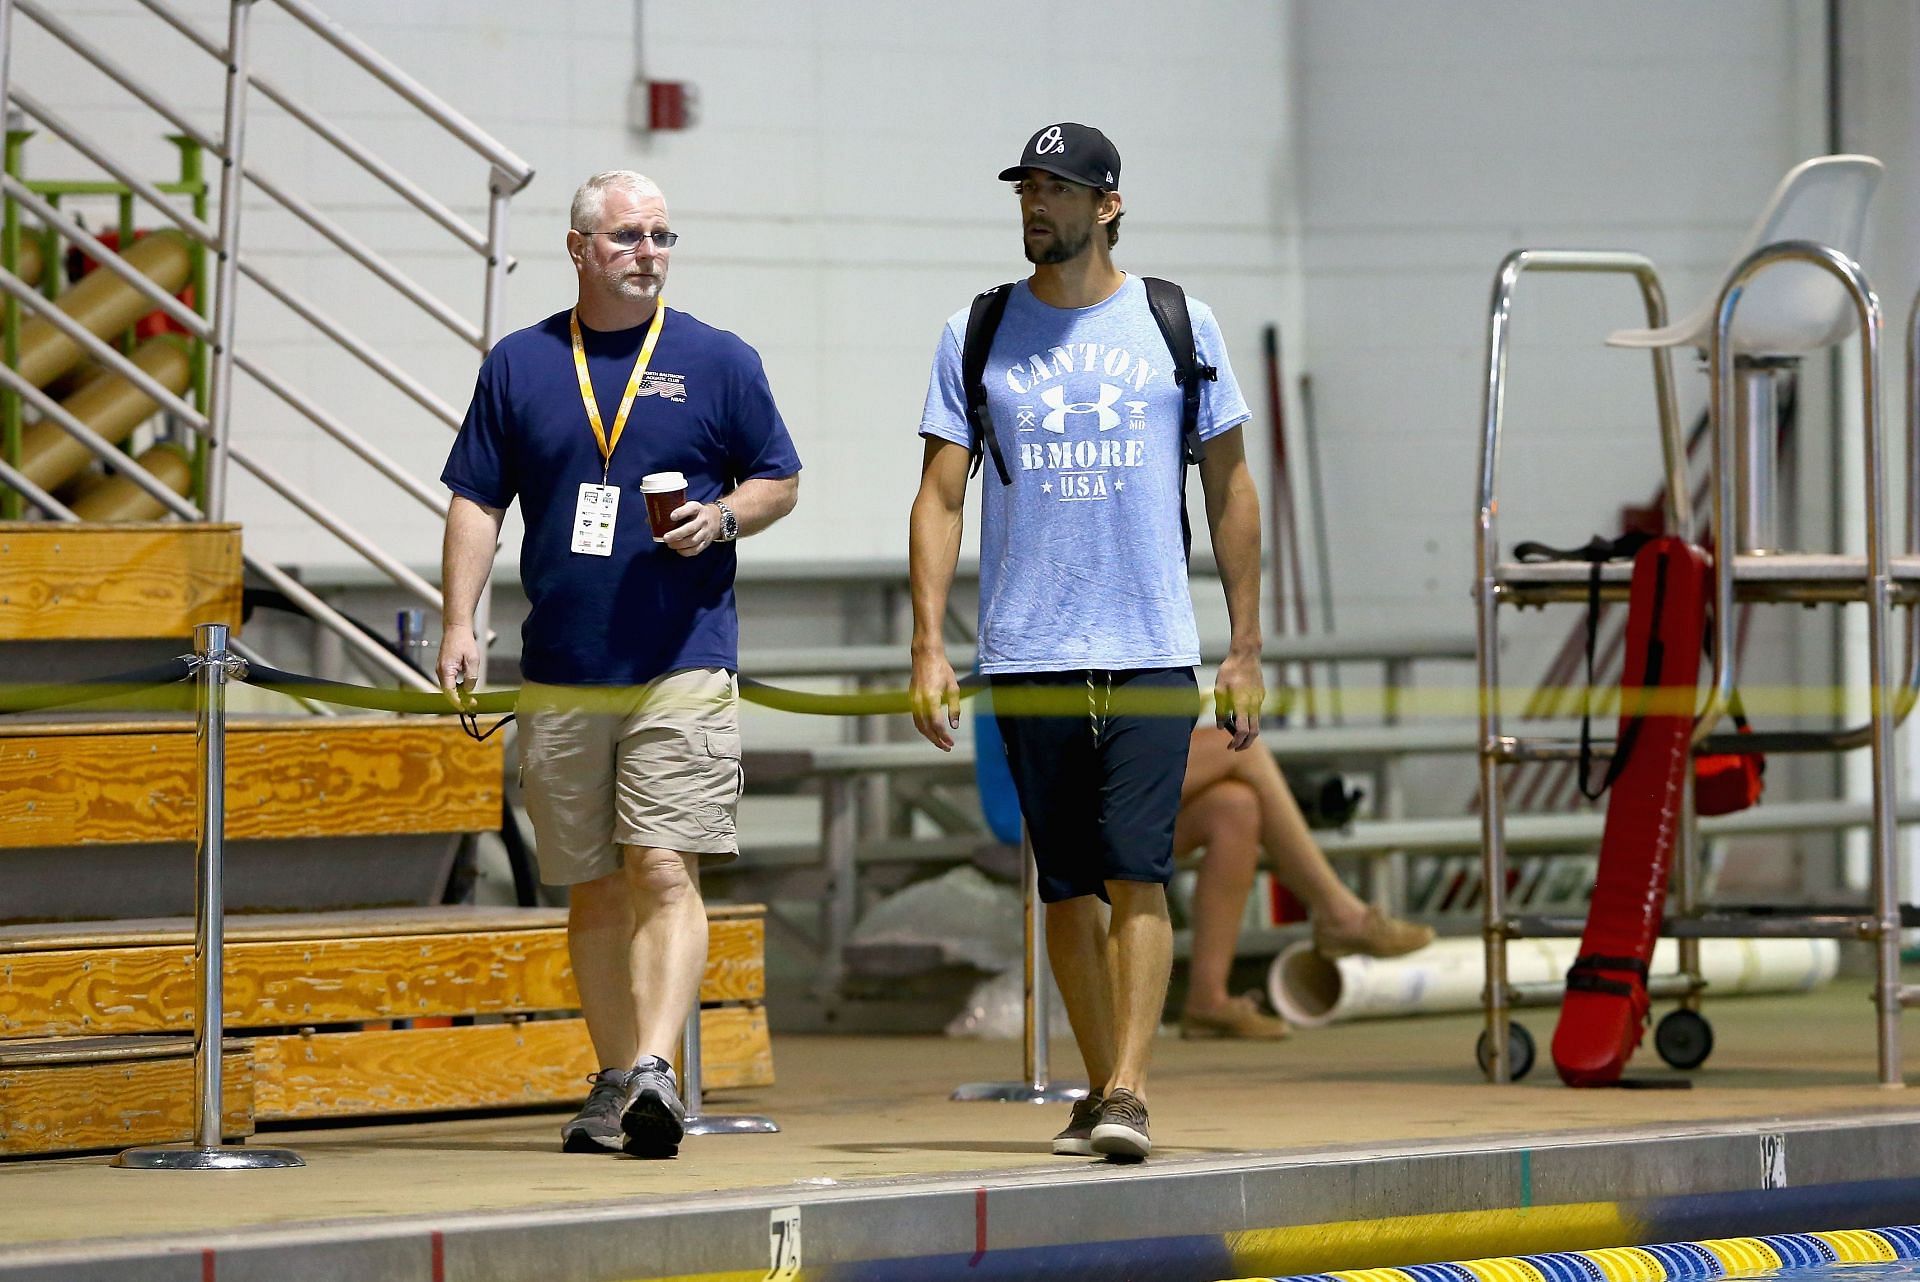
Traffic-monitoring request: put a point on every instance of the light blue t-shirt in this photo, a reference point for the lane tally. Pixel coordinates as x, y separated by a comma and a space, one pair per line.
1081, 562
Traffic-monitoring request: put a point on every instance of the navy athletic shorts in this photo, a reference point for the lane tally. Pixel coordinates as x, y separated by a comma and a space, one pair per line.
1098, 777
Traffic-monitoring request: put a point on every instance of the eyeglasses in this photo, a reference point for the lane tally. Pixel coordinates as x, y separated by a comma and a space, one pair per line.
630, 237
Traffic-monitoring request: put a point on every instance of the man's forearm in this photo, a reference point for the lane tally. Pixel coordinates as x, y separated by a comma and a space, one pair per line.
760, 501
1234, 520
933, 550
466, 558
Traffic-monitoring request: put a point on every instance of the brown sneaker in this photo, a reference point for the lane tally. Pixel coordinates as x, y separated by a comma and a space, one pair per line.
1377, 936
1122, 1131
1241, 1018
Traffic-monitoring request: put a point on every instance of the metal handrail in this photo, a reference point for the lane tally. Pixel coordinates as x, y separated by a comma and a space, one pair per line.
332, 231
117, 362
355, 151
1486, 550
74, 138
359, 348
295, 591
19, 480
193, 322
102, 351
518, 171
1720, 362
353, 247
433, 500
1879, 583
74, 41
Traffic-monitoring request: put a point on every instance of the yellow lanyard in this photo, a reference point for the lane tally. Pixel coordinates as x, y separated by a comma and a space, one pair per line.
609, 444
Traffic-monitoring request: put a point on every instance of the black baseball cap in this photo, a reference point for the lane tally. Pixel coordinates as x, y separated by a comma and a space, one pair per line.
1079, 152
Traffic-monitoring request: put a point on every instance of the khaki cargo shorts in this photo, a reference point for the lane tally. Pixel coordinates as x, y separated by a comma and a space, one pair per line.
655, 765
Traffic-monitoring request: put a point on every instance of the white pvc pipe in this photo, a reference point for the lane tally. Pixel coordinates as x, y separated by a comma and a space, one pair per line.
1310, 991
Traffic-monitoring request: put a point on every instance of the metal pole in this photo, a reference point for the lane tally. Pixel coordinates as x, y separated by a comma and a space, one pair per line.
214, 664
6, 60
698, 1121
1756, 447
1036, 1021
10, 416
227, 261
500, 189
1038, 1088
209, 934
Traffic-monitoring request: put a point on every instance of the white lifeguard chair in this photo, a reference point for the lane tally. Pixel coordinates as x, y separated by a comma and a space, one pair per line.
1794, 288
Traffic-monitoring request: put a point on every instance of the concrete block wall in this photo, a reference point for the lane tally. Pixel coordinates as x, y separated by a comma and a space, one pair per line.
836, 197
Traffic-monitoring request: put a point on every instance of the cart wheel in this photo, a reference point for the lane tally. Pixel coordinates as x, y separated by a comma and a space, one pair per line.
1519, 1051
1683, 1038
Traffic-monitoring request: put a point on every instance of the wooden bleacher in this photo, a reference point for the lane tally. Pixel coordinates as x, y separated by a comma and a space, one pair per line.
358, 1013
351, 1014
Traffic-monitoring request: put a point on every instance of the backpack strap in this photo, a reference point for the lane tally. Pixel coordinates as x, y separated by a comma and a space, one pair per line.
1168, 302
983, 322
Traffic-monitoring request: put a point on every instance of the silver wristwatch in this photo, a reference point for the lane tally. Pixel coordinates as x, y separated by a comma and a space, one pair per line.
729, 524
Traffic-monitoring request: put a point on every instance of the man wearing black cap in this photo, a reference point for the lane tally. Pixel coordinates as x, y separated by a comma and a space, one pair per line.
1090, 389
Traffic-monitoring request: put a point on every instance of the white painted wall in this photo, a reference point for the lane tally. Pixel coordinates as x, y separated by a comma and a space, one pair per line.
837, 200
1436, 138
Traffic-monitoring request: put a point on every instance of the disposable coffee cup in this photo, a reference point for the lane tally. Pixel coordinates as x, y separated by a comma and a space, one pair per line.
664, 491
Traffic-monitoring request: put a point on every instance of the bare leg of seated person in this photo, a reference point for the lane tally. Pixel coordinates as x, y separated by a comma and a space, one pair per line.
1214, 813
1224, 818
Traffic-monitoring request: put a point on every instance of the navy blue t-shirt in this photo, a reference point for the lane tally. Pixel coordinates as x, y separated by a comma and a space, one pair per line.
704, 409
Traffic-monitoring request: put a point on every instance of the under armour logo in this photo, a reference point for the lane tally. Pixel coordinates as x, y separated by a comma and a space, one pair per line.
1056, 397
1049, 141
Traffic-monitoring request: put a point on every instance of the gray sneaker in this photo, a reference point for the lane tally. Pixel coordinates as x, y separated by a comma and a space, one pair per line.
1122, 1130
596, 1127
653, 1119
1077, 1139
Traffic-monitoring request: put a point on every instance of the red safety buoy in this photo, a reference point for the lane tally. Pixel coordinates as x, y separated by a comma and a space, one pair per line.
1603, 1016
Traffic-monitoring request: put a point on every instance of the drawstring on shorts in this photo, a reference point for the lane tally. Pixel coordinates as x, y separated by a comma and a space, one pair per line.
1099, 706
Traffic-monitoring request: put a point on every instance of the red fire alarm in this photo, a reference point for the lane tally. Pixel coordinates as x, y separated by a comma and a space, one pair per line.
669, 104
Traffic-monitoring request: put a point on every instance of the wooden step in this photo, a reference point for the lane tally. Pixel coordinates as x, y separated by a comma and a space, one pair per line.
524, 1064
300, 978
325, 968
86, 783
67, 582
71, 1095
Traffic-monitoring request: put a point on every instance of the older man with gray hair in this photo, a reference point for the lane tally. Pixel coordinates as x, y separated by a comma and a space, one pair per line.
629, 727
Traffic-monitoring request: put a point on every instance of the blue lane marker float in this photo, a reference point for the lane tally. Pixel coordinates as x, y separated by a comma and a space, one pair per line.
1670, 1262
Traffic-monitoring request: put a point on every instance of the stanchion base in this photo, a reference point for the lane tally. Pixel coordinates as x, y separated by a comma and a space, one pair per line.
731, 1124
1018, 1093
192, 1157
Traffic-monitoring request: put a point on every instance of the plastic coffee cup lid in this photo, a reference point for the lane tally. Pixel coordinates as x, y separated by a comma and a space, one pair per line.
662, 482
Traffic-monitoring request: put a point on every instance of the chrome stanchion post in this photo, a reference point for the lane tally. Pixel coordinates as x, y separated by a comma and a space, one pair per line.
1038, 1088
213, 665
700, 1122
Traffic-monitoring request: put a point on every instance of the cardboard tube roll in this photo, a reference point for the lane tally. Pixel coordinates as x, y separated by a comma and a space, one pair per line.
110, 405
104, 304
31, 264
115, 498
1449, 975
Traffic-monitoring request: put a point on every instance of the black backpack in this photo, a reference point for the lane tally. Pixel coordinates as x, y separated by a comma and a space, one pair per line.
1168, 303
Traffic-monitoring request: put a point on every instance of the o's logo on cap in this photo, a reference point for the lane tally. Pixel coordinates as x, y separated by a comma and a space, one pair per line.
1049, 141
